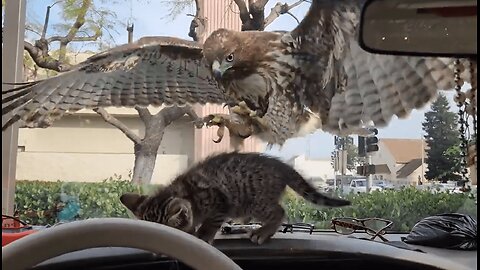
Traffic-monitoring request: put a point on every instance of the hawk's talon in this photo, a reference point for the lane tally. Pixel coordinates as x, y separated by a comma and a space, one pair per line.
243, 109
243, 105
241, 128
239, 110
214, 120
199, 123
220, 134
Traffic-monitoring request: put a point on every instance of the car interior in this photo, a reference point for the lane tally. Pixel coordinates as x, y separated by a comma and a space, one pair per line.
127, 244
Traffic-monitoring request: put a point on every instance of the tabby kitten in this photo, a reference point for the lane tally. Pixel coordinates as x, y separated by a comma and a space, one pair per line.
228, 185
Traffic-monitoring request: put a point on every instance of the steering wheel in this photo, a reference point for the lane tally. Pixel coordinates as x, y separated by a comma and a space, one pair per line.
31, 250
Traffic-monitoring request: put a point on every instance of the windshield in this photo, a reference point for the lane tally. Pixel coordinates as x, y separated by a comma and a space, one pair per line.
77, 166
360, 183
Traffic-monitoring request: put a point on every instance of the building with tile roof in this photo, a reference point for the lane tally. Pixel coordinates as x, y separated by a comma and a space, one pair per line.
404, 158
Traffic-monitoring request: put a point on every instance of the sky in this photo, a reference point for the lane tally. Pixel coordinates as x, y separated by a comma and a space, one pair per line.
150, 18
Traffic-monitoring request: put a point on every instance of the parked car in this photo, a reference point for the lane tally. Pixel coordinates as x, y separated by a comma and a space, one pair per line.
383, 184
359, 186
443, 187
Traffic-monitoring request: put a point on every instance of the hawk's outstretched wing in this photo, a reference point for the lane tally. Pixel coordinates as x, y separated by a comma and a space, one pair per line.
349, 87
151, 71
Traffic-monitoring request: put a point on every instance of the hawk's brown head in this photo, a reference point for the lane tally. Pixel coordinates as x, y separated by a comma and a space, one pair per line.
236, 55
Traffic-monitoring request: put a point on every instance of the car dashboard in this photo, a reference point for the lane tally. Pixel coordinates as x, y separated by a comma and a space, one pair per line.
325, 250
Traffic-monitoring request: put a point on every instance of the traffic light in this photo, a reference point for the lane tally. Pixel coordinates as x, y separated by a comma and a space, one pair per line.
366, 170
333, 161
361, 146
372, 142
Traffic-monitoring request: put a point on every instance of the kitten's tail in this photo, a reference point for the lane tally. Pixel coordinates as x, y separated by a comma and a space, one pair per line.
307, 191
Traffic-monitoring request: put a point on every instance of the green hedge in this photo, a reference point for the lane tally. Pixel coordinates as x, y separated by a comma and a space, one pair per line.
42, 203
404, 207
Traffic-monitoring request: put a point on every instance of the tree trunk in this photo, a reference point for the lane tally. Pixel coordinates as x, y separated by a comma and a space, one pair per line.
145, 157
146, 149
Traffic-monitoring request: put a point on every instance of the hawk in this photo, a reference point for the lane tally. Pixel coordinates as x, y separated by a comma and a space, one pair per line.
278, 85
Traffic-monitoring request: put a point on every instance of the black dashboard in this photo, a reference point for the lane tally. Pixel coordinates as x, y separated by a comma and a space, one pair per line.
284, 251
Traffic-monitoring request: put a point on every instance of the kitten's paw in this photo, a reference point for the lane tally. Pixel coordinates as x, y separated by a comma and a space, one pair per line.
258, 237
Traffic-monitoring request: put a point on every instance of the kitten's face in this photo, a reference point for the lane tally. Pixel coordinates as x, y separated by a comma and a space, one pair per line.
173, 212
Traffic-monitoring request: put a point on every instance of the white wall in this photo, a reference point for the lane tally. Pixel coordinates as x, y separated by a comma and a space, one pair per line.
383, 156
83, 147
87, 167
86, 133
314, 168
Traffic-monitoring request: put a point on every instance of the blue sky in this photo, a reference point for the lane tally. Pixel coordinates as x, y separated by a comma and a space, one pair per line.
149, 19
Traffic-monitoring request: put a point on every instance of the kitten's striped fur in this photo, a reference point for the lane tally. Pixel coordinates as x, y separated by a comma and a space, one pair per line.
228, 185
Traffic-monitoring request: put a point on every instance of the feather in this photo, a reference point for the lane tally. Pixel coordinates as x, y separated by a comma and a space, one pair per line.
315, 76
377, 88
152, 71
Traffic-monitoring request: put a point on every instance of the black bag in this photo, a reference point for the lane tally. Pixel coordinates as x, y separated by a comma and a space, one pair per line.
451, 231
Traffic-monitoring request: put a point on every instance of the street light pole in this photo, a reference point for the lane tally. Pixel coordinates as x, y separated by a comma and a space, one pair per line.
12, 71
369, 175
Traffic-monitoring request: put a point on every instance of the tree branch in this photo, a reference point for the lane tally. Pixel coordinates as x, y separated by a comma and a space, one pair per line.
197, 26
79, 22
244, 14
197, 121
75, 39
118, 124
170, 114
280, 9
41, 57
259, 3
253, 17
144, 114
40, 50
45, 25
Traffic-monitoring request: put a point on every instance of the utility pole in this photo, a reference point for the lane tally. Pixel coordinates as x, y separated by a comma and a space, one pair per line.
366, 145
337, 160
423, 160
371, 144
370, 175
130, 33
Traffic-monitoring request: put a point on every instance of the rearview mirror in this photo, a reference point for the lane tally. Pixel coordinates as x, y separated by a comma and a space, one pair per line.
445, 28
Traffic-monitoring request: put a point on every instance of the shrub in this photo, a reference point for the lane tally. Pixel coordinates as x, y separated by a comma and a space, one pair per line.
42, 203
404, 207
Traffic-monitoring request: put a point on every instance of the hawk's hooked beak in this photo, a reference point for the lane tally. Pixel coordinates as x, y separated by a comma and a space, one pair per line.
217, 70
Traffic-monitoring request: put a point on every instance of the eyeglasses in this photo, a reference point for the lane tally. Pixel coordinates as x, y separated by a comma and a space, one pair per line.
372, 226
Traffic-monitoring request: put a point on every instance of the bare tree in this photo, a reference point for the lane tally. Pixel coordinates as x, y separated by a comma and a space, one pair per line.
84, 24
146, 148
252, 13
198, 24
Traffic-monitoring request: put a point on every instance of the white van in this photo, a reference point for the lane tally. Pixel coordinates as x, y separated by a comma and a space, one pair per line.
359, 186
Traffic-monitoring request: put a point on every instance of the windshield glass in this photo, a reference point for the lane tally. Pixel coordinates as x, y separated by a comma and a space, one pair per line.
361, 183
78, 165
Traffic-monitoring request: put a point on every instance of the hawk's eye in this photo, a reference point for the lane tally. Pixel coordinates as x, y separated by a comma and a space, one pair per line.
229, 58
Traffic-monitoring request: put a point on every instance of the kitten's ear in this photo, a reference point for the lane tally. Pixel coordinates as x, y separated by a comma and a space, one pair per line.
132, 200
